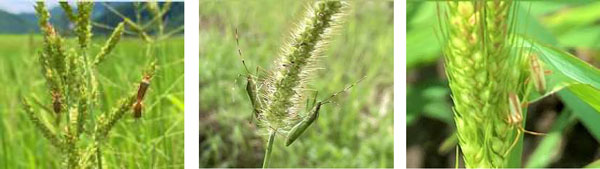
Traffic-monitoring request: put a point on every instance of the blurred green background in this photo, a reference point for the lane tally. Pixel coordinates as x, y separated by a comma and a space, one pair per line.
572, 125
356, 131
154, 141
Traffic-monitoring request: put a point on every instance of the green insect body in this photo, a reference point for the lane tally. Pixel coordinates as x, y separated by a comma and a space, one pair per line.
252, 93
299, 128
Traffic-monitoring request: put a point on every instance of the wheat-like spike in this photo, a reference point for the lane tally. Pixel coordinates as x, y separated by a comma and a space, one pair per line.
53, 57
106, 123
110, 44
480, 75
52, 137
84, 27
68, 11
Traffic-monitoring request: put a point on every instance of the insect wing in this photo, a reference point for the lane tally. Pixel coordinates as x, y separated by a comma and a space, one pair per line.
537, 73
515, 107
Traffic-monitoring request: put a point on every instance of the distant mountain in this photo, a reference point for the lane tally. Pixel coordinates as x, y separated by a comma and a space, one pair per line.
26, 23
173, 18
13, 24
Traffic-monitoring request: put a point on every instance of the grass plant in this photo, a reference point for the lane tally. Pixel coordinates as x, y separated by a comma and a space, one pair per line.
355, 132
279, 97
82, 121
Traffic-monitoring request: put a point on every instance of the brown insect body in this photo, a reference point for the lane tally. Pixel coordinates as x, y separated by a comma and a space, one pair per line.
142, 89
137, 109
56, 102
138, 106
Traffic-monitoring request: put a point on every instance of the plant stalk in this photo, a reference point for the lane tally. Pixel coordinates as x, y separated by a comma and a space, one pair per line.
269, 149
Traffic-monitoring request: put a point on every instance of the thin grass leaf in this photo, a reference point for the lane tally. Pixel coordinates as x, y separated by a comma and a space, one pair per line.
549, 147
567, 71
583, 111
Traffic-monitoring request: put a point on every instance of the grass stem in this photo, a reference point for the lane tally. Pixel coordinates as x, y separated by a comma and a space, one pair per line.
269, 149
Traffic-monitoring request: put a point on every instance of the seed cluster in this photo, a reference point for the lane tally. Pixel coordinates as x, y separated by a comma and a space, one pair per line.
70, 73
283, 91
481, 76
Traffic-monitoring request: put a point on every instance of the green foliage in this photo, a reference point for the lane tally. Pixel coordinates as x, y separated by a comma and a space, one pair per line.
81, 99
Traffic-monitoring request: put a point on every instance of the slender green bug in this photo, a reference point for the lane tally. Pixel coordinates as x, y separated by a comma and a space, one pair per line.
251, 87
301, 126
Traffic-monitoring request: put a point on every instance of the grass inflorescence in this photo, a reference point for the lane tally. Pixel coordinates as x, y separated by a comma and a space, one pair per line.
279, 95
481, 77
71, 75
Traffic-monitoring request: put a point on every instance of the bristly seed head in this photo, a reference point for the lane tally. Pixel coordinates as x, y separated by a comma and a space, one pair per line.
283, 91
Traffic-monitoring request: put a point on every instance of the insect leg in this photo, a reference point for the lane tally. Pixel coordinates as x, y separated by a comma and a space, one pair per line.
531, 132
514, 143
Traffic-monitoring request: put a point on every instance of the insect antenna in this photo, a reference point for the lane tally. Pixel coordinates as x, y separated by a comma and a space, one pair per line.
237, 42
328, 100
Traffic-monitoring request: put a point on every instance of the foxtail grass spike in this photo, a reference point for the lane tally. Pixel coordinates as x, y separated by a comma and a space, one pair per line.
278, 98
284, 90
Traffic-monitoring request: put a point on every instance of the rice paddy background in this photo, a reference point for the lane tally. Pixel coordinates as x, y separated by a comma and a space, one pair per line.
356, 131
154, 141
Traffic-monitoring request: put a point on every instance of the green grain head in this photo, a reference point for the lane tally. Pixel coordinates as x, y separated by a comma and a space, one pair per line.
84, 27
110, 43
70, 75
481, 74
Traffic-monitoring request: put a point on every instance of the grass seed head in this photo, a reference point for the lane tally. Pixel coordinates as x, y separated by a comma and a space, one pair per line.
84, 27
480, 76
110, 43
283, 91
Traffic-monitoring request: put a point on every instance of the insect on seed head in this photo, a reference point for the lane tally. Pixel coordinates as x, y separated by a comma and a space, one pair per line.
537, 73
515, 109
142, 89
137, 109
56, 102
